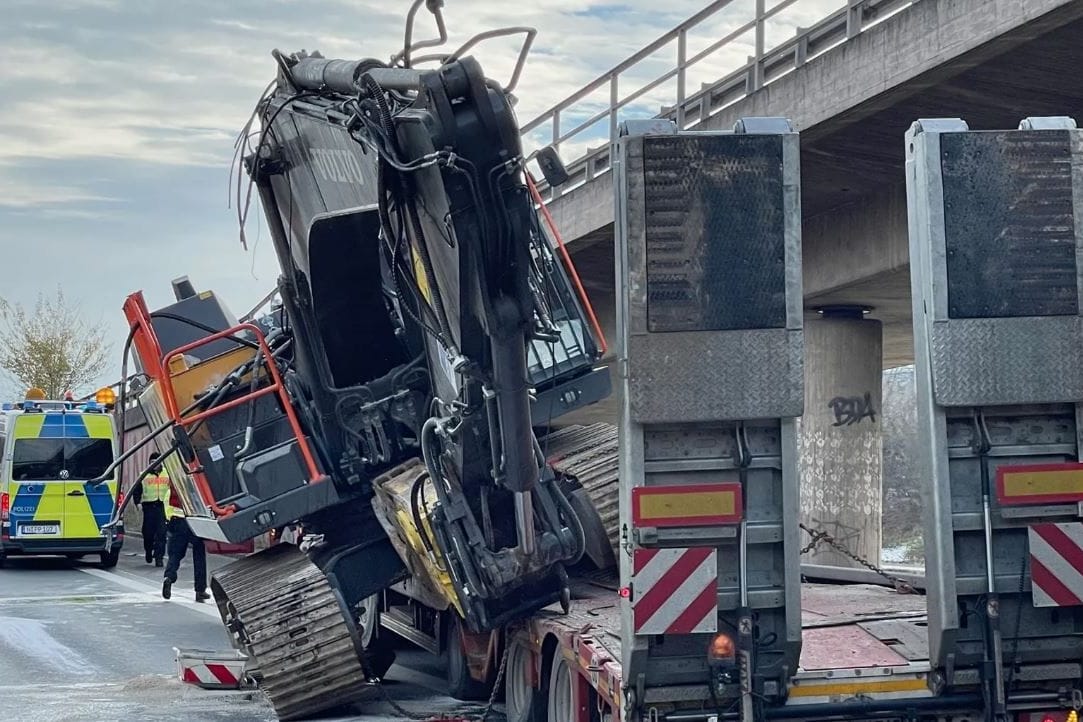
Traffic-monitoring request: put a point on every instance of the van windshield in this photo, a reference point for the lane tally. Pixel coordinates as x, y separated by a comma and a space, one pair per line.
43, 459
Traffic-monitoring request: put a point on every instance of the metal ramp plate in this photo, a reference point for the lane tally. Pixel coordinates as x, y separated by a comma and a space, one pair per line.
710, 315
996, 232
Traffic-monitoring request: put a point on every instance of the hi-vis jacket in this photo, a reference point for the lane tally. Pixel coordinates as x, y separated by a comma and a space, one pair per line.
173, 509
156, 488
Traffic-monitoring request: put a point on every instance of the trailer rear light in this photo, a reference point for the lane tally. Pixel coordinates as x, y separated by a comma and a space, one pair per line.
686, 505
5, 502
1053, 716
721, 649
1040, 484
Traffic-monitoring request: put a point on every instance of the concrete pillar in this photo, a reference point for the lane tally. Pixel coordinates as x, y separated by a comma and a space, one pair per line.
840, 437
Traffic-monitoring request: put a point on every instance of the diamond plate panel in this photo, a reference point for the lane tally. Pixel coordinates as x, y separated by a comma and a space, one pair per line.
715, 232
1009, 224
980, 362
721, 376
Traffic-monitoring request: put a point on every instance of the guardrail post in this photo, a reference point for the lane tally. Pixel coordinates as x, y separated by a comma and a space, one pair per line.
800, 50
682, 60
554, 192
853, 17
614, 99
757, 68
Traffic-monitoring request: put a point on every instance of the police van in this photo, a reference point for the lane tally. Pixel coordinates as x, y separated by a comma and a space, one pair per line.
49, 453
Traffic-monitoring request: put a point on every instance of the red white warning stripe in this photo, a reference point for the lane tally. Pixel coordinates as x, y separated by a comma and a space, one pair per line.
675, 591
1056, 564
215, 675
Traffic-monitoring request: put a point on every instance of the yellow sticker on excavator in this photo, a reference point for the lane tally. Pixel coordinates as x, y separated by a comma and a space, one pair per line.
419, 274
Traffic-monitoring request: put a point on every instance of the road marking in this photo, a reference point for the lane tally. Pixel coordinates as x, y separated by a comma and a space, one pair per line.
73, 598
209, 608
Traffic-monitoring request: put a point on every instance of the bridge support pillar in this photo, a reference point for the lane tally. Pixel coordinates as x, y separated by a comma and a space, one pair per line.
840, 436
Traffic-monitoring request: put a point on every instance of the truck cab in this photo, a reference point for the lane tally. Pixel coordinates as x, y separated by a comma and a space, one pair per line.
49, 452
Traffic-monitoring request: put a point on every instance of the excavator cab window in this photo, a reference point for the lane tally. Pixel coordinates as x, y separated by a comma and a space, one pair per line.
344, 263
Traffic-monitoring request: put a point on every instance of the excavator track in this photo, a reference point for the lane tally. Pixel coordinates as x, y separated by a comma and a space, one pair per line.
282, 611
588, 454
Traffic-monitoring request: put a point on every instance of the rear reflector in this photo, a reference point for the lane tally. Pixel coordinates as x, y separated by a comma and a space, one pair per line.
687, 505
1040, 484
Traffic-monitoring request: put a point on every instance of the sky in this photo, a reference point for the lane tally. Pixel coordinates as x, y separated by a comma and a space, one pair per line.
119, 118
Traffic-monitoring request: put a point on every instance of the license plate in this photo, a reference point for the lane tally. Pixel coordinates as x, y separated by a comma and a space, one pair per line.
38, 529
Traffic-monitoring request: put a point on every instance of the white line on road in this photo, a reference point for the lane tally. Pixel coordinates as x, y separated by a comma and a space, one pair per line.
209, 609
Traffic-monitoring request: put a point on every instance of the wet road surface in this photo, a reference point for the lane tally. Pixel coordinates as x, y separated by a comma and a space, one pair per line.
81, 643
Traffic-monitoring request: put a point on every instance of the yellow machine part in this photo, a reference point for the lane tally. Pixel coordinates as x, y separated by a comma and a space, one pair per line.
391, 503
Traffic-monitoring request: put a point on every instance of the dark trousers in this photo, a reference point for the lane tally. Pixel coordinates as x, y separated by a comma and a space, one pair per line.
154, 529
180, 538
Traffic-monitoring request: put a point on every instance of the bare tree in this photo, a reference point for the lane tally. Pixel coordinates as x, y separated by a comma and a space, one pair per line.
52, 347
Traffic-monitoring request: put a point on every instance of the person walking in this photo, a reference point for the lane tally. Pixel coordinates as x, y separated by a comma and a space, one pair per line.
151, 496
180, 537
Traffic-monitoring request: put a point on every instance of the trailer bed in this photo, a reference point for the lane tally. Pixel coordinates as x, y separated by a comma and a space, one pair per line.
846, 626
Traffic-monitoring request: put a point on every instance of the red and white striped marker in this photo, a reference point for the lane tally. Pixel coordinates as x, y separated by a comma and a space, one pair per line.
1056, 564
675, 591
213, 675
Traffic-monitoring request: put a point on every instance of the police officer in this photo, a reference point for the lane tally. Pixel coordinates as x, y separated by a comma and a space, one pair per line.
152, 495
180, 538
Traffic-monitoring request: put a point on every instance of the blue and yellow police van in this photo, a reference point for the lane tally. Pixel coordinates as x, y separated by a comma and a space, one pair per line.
50, 451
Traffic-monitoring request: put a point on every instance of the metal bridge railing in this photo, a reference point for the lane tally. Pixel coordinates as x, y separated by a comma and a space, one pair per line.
689, 109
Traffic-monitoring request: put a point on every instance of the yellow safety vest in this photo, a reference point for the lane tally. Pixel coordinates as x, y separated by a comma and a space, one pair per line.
173, 507
156, 488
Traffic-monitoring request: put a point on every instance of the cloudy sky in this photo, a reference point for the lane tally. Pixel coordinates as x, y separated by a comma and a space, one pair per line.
119, 116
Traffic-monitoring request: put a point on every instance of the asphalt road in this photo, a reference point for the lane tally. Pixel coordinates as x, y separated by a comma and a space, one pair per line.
81, 643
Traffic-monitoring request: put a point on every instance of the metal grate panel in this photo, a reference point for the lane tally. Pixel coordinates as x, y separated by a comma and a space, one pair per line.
715, 233
1009, 224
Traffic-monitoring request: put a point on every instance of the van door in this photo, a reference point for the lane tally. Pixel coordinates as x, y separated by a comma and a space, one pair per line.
37, 494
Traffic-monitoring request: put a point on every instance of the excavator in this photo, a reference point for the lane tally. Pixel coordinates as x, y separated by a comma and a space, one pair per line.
396, 401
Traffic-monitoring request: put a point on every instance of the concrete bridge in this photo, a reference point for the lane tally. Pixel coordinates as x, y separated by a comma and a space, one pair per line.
852, 85
990, 62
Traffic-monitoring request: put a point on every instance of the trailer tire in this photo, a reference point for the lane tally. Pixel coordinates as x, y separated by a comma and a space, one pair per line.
460, 684
369, 619
379, 654
561, 706
522, 702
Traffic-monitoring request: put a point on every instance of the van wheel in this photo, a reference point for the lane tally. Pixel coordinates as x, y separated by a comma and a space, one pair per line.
460, 684
523, 702
110, 559
3, 559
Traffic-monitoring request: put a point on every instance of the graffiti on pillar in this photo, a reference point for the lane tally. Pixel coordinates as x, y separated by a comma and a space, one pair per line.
850, 410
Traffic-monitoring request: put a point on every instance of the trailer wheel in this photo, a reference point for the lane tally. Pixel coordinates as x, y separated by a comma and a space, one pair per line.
369, 618
522, 702
460, 684
561, 706
379, 654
